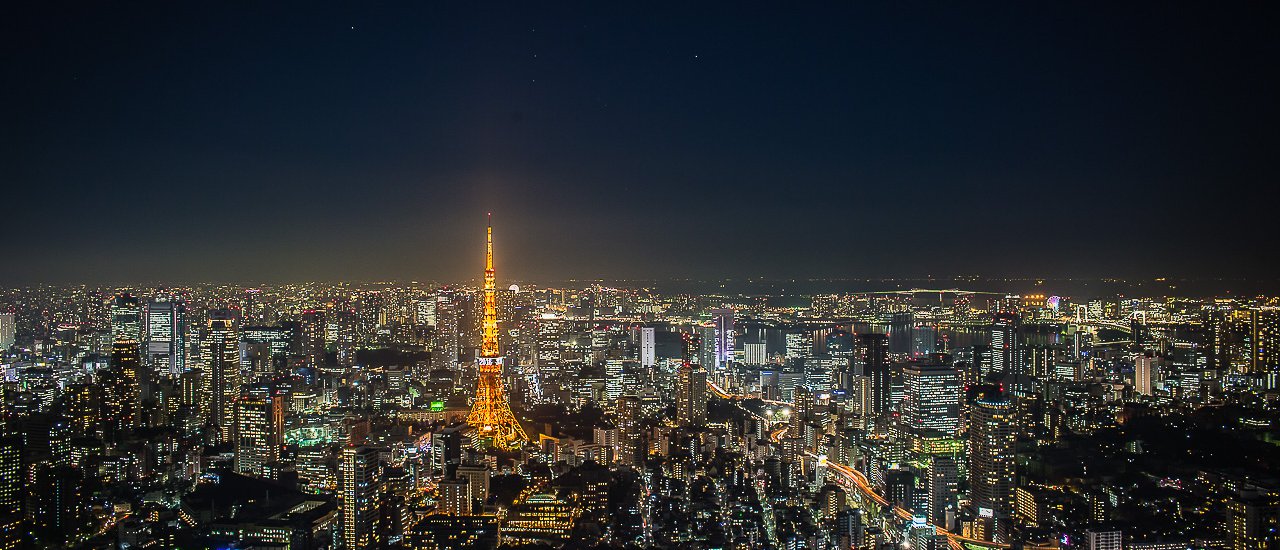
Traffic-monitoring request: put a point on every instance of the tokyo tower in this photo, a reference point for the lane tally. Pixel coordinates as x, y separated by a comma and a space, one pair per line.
490, 414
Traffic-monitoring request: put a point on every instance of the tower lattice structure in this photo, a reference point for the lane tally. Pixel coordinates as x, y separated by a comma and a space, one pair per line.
490, 414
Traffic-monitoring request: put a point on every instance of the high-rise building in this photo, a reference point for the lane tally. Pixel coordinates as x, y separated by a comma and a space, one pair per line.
222, 358
648, 348
59, 505
490, 412
1253, 520
992, 466
943, 488
454, 497
311, 337
628, 429
706, 346
266, 350
166, 343
722, 318
259, 430
1144, 372
872, 356
122, 386
126, 318
8, 331
445, 347
755, 353
1264, 328
12, 493
932, 394
691, 395
360, 481
1006, 350
477, 476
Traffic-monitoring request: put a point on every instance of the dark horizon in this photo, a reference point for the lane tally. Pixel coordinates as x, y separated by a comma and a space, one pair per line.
194, 142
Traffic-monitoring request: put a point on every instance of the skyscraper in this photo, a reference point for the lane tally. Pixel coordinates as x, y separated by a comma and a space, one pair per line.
454, 497
445, 342
360, 481
222, 358
691, 395
648, 348
1144, 372
166, 338
311, 337
12, 494
872, 356
122, 385
490, 413
126, 318
992, 466
8, 331
723, 320
1006, 351
259, 430
932, 398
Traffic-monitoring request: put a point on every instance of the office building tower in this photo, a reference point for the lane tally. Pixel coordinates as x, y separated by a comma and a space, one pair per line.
1006, 350
1264, 340
360, 484
222, 362
850, 530
932, 394
166, 341
722, 319
943, 488
706, 346
445, 347
477, 476
311, 337
59, 507
691, 395
455, 497
126, 318
755, 353
629, 429
1253, 521
872, 357
122, 386
266, 350
648, 349
1144, 374
12, 493
992, 466
259, 430
8, 331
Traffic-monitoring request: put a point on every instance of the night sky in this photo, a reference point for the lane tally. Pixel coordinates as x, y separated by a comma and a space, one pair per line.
185, 141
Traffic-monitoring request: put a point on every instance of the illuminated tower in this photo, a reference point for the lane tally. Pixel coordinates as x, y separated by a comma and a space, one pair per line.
490, 414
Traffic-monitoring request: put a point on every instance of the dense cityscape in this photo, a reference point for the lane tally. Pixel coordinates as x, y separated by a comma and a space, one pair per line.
674, 275
416, 415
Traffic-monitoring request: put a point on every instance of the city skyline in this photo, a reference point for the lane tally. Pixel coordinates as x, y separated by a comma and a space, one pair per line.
699, 276
204, 143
